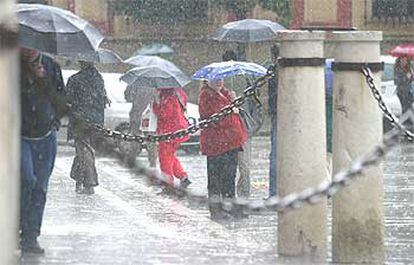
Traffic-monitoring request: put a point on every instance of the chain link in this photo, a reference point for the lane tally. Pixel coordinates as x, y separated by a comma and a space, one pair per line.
225, 111
311, 195
280, 204
366, 71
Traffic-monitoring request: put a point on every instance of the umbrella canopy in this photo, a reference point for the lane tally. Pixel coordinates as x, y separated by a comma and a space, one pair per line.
154, 77
104, 56
222, 70
144, 60
56, 31
153, 49
248, 30
402, 50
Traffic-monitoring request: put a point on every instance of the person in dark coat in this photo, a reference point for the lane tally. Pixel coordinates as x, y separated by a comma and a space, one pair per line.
403, 78
43, 103
220, 142
170, 110
88, 96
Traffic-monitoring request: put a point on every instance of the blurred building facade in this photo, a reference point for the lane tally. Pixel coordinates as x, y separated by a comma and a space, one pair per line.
394, 17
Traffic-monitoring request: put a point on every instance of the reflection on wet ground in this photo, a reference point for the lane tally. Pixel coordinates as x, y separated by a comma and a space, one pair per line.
129, 222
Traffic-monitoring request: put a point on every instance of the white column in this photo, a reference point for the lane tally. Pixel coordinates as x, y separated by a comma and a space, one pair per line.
358, 222
9, 138
301, 148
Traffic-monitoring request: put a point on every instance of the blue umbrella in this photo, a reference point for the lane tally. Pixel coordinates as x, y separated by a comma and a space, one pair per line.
222, 70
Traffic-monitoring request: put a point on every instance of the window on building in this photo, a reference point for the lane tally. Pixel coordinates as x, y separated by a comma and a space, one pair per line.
395, 11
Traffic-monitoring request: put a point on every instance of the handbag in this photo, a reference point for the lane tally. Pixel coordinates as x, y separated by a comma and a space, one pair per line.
252, 115
148, 120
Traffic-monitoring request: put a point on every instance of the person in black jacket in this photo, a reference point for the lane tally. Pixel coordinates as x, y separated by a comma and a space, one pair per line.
87, 93
42, 105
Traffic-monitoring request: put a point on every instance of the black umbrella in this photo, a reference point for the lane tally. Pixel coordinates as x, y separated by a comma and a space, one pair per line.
56, 31
248, 30
104, 56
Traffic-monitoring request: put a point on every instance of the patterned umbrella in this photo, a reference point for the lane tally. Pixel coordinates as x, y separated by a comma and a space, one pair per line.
222, 70
56, 31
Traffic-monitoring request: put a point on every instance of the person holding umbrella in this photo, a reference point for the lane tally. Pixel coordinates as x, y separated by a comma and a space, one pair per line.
221, 143
403, 78
88, 96
42, 105
170, 107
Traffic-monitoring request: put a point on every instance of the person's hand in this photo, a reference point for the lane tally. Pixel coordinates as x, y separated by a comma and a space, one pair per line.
236, 110
233, 94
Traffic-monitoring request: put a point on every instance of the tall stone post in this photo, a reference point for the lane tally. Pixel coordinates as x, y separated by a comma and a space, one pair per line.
9, 134
358, 222
301, 148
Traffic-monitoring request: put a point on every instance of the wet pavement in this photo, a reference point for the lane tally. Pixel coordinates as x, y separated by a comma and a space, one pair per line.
129, 222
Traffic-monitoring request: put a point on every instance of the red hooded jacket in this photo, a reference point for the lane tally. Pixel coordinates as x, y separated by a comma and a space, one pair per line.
227, 134
170, 113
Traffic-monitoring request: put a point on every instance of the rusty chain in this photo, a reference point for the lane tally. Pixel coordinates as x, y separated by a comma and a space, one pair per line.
366, 71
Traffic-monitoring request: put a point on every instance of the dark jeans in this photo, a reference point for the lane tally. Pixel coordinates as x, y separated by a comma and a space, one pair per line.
221, 172
37, 161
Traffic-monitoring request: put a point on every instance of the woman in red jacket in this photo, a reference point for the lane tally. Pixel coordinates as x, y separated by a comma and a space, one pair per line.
170, 111
220, 142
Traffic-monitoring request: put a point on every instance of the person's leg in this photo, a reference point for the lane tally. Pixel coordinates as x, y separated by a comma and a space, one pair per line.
228, 171
273, 159
166, 161
152, 154
91, 176
44, 159
244, 159
178, 170
76, 170
28, 182
213, 185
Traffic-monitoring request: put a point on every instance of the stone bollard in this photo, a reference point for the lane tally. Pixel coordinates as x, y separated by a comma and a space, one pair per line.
9, 136
358, 223
301, 148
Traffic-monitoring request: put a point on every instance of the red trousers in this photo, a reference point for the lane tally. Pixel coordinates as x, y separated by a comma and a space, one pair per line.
169, 163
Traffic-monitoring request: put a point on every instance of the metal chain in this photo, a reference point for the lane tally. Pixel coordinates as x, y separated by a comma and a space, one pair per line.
295, 200
225, 111
310, 195
366, 71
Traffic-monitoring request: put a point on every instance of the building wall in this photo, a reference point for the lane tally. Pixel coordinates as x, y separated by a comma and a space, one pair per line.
346, 14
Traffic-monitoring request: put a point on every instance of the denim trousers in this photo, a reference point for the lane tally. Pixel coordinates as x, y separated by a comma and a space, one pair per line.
37, 161
273, 158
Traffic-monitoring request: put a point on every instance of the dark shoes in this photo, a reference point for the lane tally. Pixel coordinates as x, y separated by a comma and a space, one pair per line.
185, 183
31, 246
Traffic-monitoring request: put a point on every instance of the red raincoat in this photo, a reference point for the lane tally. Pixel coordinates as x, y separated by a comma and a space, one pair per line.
170, 113
171, 117
227, 134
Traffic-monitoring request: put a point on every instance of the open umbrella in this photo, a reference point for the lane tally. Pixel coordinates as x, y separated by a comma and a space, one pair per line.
144, 60
154, 77
248, 30
222, 70
402, 50
104, 56
55, 31
154, 49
